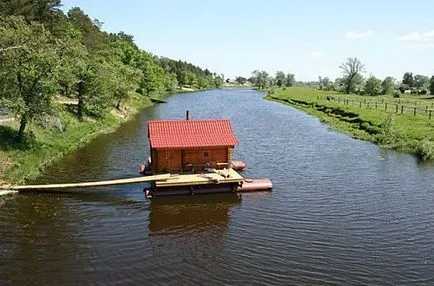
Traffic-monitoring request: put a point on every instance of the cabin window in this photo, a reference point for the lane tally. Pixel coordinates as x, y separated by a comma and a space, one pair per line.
206, 154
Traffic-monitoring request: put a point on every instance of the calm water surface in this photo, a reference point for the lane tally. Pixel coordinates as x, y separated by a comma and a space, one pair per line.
343, 211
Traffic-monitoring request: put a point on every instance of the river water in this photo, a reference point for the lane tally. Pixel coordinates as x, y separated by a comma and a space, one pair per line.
342, 212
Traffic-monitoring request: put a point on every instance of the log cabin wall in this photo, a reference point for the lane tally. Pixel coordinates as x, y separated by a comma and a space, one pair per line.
198, 157
177, 160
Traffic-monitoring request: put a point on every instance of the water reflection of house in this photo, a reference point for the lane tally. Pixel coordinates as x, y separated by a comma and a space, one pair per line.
179, 214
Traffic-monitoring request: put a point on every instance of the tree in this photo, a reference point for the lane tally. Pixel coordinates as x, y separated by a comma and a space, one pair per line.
73, 56
350, 69
373, 86
290, 80
388, 85
280, 78
431, 85
93, 38
47, 12
408, 79
218, 81
28, 75
151, 80
260, 79
240, 80
421, 82
325, 83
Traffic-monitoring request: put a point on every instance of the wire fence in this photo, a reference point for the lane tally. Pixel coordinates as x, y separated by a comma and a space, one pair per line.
400, 106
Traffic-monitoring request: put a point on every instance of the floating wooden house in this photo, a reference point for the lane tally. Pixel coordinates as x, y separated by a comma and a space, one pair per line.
182, 146
200, 153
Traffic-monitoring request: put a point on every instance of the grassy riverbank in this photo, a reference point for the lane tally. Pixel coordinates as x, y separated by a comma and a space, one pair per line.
49, 140
402, 124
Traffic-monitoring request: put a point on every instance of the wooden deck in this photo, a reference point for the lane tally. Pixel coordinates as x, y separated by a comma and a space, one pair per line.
212, 176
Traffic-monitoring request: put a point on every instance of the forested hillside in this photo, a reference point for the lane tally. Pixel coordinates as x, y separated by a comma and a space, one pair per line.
63, 80
45, 53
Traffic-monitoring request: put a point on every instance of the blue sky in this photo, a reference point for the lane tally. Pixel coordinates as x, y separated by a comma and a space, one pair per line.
307, 38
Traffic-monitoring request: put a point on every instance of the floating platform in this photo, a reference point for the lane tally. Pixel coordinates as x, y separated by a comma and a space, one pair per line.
212, 181
209, 181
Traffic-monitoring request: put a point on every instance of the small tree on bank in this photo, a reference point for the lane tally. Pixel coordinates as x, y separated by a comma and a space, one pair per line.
290, 80
260, 79
373, 86
280, 78
350, 69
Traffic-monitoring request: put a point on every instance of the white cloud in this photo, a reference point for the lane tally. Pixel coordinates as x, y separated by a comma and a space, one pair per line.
359, 35
421, 46
416, 36
429, 34
316, 54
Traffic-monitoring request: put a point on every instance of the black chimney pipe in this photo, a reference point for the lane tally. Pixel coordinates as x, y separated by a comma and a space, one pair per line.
187, 115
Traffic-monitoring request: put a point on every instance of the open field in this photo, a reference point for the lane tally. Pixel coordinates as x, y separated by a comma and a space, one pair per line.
403, 124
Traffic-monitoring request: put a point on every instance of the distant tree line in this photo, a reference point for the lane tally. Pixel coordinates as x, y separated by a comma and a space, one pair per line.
352, 81
262, 80
45, 52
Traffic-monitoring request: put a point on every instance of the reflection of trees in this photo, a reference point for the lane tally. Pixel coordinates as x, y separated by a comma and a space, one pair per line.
184, 214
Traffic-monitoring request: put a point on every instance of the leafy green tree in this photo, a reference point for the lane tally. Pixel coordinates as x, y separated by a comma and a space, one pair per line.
280, 78
46, 12
241, 80
93, 38
373, 86
218, 81
408, 79
171, 83
260, 79
431, 85
421, 82
290, 80
126, 81
388, 85
350, 69
325, 83
73, 56
29, 72
152, 80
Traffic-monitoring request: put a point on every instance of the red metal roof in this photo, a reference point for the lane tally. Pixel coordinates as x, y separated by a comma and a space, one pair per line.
191, 133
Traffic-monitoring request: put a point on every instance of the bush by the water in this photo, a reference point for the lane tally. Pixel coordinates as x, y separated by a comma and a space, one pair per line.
425, 149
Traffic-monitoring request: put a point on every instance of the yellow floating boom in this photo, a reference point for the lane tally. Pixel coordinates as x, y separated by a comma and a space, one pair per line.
141, 179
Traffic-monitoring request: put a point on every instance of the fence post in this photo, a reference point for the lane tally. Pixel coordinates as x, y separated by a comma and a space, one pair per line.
402, 109
382, 100
414, 114
396, 105
360, 104
367, 104
426, 108
385, 106
375, 105
430, 114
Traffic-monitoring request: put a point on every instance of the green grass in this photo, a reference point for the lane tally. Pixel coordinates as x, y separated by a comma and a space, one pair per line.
404, 132
25, 160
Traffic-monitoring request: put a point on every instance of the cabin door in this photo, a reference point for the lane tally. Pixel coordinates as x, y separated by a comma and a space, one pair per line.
174, 160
